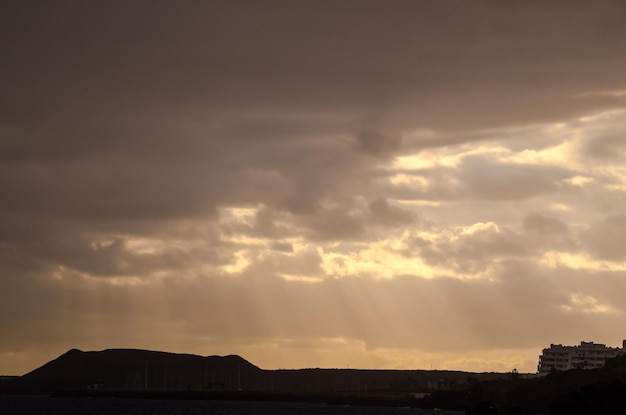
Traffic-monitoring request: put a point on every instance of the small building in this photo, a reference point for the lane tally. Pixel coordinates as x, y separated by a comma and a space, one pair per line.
587, 355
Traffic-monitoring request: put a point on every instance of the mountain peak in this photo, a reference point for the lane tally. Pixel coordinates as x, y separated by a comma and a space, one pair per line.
134, 368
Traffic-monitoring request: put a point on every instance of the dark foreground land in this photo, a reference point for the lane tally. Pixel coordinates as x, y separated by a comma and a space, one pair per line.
340, 399
97, 382
29, 405
575, 392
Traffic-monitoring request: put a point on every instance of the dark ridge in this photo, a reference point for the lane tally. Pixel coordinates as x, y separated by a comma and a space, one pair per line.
154, 373
134, 369
162, 375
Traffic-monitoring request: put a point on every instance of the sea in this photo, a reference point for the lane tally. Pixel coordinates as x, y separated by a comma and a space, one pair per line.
27, 405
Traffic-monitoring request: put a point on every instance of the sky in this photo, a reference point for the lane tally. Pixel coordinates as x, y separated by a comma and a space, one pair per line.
364, 184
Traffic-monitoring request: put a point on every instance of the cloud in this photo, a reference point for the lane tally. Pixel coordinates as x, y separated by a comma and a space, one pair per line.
544, 225
374, 142
406, 179
493, 180
386, 214
607, 146
605, 239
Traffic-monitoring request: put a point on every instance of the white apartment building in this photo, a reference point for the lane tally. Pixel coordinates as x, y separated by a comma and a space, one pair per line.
588, 355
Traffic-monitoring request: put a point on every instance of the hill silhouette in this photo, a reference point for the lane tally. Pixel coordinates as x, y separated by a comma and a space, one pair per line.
132, 369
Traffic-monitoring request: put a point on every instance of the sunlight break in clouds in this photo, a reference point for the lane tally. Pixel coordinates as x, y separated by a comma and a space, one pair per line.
588, 304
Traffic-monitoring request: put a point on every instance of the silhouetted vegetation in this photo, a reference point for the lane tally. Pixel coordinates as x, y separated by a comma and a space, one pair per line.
595, 391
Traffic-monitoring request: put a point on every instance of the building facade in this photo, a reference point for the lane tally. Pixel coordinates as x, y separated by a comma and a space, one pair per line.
587, 355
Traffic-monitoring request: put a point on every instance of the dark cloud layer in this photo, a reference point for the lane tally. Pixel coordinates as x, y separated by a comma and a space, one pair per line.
413, 56
606, 239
